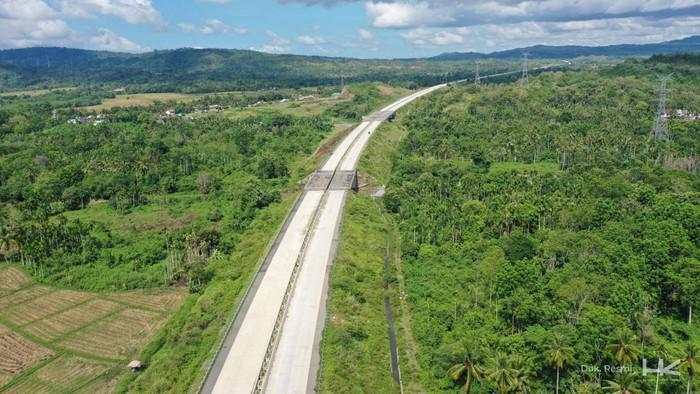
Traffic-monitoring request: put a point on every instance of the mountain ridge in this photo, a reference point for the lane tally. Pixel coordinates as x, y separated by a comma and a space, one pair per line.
687, 44
205, 70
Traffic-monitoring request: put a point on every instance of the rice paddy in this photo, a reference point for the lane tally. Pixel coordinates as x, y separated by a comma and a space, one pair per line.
56, 340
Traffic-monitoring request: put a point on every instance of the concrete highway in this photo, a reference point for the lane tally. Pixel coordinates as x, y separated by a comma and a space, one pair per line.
272, 345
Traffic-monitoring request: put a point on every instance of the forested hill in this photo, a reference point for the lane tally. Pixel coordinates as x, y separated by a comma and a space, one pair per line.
191, 69
200, 70
685, 45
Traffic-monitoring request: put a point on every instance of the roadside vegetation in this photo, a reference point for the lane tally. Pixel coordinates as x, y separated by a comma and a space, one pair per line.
355, 349
545, 233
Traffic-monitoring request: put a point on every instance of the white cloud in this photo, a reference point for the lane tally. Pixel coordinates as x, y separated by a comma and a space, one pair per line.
276, 44
211, 26
216, 26
365, 35
109, 41
18, 33
311, 40
186, 27
425, 37
26, 9
132, 11
455, 13
25, 23
492, 37
399, 14
30, 23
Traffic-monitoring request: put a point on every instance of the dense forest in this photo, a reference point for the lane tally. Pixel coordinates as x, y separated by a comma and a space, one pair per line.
546, 234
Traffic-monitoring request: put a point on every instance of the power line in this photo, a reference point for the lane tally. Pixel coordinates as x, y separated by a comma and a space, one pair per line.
524, 79
660, 130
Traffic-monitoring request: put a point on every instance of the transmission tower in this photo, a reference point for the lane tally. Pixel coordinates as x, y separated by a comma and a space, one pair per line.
477, 78
660, 130
524, 78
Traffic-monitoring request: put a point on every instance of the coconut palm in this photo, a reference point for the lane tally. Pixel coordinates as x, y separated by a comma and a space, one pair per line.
468, 370
690, 363
559, 355
521, 374
646, 329
625, 384
624, 348
586, 388
500, 373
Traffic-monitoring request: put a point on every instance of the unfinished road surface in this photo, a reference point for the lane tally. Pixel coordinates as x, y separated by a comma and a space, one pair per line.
272, 345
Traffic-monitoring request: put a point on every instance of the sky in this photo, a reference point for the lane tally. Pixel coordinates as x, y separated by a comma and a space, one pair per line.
354, 28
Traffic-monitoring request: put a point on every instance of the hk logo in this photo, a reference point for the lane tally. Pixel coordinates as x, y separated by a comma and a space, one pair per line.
660, 368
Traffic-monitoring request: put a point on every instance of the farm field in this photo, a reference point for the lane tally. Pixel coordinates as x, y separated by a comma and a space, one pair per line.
139, 100
54, 340
312, 105
33, 92
309, 107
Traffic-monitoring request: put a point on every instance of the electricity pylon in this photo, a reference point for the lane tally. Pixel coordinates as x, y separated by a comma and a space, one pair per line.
477, 78
524, 78
660, 130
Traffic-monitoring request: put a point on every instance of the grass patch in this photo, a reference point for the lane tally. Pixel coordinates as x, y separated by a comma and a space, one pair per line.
33, 92
139, 100
378, 158
355, 345
309, 107
355, 349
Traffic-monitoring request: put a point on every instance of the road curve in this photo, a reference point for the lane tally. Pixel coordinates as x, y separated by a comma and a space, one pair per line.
272, 345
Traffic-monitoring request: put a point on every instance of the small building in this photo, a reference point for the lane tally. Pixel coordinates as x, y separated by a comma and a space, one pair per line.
685, 114
135, 365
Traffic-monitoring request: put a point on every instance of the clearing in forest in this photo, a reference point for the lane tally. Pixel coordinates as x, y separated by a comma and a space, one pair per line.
54, 340
139, 100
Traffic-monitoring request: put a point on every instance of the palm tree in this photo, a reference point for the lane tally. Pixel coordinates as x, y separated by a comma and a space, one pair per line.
521, 374
586, 388
467, 369
646, 329
690, 363
625, 384
559, 354
623, 347
500, 373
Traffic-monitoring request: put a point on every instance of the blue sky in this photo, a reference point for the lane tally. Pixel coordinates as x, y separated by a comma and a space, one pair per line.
357, 28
